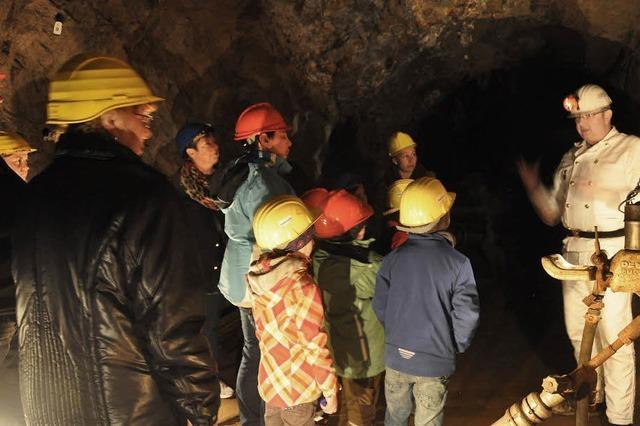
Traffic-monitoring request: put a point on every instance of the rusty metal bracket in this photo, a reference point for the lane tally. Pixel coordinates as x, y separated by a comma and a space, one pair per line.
556, 266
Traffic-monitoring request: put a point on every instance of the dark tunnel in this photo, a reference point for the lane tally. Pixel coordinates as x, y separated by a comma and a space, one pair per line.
472, 138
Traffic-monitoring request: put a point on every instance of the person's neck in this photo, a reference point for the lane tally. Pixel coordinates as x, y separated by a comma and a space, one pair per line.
405, 175
599, 140
204, 170
268, 154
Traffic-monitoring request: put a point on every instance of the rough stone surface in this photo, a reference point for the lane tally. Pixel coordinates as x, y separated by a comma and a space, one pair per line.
383, 65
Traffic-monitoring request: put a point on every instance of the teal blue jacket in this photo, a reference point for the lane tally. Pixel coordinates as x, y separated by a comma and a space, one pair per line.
263, 182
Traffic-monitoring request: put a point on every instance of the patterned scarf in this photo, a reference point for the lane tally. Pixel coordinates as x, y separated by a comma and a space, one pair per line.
196, 184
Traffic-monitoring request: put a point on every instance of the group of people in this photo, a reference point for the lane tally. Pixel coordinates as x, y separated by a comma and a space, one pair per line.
119, 272
316, 301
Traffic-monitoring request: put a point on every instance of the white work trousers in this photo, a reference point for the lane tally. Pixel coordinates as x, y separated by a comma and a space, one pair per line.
618, 372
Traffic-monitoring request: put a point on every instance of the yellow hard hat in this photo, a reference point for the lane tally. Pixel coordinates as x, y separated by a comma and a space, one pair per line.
88, 86
424, 201
399, 141
11, 143
280, 220
394, 194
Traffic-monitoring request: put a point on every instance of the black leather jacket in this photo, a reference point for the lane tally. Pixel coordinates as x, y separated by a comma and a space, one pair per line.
109, 295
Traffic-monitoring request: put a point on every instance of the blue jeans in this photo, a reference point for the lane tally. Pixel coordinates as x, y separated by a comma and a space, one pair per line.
249, 402
430, 394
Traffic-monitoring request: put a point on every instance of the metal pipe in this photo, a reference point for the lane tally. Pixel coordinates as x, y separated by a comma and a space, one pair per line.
586, 347
533, 409
591, 320
632, 226
628, 334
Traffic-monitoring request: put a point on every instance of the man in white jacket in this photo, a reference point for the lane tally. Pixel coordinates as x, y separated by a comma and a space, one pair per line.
592, 180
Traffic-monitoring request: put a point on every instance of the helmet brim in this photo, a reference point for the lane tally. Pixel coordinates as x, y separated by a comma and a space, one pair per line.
397, 151
58, 111
10, 151
406, 228
595, 111
247, 135
390, 211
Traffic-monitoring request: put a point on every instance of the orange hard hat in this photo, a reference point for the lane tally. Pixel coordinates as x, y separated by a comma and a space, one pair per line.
257, 119
341, 212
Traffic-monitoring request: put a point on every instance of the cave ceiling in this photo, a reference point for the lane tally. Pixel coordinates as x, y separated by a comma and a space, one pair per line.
382, 64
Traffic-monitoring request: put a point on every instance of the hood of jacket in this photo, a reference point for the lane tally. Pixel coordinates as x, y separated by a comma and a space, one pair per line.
224, 184
268, 272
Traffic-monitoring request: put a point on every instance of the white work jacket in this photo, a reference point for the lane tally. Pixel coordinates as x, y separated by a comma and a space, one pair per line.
589, 185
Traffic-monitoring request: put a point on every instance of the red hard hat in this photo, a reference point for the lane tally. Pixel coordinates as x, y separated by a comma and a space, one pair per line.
259, 118
315, 199
342, 211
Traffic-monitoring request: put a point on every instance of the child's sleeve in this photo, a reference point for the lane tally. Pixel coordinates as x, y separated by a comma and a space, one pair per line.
311, 320
465, 307
382, 290
364, 278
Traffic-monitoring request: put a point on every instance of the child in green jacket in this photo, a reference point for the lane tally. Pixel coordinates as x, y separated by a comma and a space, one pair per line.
345, 269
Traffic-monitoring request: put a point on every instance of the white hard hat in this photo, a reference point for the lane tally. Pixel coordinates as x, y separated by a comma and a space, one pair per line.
588, 99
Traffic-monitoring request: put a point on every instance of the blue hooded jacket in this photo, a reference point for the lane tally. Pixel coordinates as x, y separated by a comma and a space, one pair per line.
427, 300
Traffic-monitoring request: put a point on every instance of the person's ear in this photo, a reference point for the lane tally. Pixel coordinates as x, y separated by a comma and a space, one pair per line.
394, 161
264, 143
108, 120
190, 152
608, 114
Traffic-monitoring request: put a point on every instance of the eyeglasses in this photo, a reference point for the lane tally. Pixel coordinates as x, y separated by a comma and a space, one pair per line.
145, 113
587, 115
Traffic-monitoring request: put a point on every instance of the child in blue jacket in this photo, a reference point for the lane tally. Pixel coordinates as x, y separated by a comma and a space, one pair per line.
427, 300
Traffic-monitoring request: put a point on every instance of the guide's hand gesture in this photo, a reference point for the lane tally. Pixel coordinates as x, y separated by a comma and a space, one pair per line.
529, 173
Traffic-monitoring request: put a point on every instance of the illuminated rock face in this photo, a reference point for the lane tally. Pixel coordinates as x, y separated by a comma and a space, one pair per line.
381, 65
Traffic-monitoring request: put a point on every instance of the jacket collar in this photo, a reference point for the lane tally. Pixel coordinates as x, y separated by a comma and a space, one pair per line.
281, 166
268, 270
430, 236
95, 145
354, 249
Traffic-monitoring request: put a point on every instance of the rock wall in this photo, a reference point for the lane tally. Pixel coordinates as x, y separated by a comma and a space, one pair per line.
380, 65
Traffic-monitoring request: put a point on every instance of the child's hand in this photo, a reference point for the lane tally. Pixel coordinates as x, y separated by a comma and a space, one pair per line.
331, 404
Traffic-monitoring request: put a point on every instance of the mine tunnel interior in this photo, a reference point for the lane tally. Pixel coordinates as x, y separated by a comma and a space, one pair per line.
477, 90
472, 139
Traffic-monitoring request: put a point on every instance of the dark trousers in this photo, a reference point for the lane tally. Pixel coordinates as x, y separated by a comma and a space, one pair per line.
249, 402
225, 348
212, 322
358, 400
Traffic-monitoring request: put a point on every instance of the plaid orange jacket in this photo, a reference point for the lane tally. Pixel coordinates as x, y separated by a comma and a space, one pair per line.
295, 364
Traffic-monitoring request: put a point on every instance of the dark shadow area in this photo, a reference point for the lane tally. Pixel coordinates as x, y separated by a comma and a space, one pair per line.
343, 164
